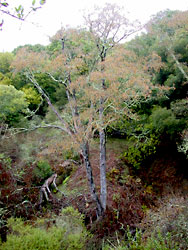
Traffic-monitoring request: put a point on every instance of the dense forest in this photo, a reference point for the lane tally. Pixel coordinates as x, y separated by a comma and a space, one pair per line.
94, 136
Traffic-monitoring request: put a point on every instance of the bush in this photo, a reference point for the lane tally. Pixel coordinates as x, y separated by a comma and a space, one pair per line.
12, 105
26, 237
136, 242
179, 108
75, 232
161, 125
71, 154
136, 154
183, 146
163, 121
171, 219
68, 232
42, 171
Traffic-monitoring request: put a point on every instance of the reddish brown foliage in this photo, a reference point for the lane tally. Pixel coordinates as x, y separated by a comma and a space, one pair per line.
125, 201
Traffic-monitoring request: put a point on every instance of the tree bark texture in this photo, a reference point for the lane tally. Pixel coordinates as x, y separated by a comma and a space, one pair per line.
102, 135
45, 189
85, 152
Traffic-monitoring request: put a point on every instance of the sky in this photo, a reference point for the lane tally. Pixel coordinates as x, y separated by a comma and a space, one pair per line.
45, 22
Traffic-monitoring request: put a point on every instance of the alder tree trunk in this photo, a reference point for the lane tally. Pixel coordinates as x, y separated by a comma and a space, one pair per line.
102, 135
85, 152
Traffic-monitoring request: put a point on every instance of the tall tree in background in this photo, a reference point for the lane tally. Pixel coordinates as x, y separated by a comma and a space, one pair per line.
170, 29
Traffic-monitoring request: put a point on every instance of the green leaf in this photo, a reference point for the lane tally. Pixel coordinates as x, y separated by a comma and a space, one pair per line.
42, 2
33, 3
4, 4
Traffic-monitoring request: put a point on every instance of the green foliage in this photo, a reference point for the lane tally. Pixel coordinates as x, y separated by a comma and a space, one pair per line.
163, 121
71, 154
183, 146
68, 232
32, 97
34, 48
136, 242
179, 108
55, 91
5, 62
27, 151
136, 154
119, 128
73, 223
171, 220
20, 11
5, 79
166, 31
43, 170
13, 104
159, 242
150, 131
27, 237
6, 161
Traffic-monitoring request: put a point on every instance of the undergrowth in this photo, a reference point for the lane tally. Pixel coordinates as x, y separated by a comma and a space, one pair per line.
66, 231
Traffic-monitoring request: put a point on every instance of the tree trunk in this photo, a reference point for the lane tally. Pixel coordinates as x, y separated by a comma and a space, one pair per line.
179, 65
103, 195
85, 152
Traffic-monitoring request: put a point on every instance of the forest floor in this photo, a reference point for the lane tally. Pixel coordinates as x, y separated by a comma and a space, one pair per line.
130, 194
156, 195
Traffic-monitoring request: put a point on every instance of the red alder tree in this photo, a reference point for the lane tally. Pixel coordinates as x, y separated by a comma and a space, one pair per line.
102, 82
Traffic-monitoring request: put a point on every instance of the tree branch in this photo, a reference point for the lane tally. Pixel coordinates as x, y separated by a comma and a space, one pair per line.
32, 79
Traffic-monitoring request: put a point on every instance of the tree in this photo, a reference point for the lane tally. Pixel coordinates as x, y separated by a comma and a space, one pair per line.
12, 104
167, 36
93, 81
5, 62
109, 26
5, 80
169, 27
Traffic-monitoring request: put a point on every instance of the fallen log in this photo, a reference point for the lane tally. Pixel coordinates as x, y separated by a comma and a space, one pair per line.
68, 163
45, 189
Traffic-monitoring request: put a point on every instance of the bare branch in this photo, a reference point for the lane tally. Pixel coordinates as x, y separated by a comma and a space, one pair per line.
15, 131
12, 15
32, 79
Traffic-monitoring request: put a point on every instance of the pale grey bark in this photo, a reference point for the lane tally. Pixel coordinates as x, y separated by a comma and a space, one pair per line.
45, 189
85, 152
66, 126
109, 27
103, 194
179, 65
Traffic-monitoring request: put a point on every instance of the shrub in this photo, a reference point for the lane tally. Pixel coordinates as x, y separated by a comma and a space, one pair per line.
68, 232
12, 104
71, 154
179, 108
26, 237
42, 171
183, 146
75, 232
159, 126
171, 219
163, 121
136, 154
136, 242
